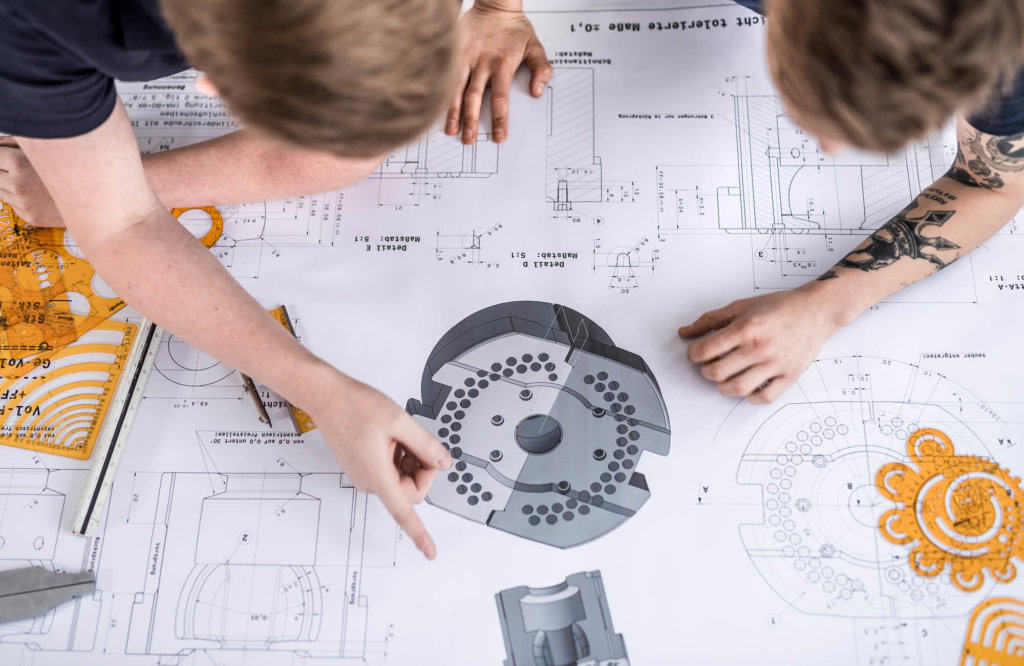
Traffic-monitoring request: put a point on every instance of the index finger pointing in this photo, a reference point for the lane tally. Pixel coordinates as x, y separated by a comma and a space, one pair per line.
396, 502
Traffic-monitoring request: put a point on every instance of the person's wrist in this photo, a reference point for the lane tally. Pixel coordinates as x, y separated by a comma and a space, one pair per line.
317, 385
499, 6
838, 301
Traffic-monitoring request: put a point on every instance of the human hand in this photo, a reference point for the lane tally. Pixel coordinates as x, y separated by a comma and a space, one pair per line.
383, 451
23, 190
761, 345
497, 41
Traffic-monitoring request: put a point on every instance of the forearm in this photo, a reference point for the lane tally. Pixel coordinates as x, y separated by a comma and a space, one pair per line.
159, 269
244, 166
946, 221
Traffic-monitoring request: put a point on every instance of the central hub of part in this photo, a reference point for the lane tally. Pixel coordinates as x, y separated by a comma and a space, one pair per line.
538, 433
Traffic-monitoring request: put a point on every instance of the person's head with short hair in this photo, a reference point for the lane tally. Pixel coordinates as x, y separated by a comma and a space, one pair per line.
878, 74
351, 77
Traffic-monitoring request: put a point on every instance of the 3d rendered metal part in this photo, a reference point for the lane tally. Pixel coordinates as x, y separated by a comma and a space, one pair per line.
568, 624
546, 419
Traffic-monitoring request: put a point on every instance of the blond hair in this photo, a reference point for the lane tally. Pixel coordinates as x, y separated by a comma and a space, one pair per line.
352, 77
881, 73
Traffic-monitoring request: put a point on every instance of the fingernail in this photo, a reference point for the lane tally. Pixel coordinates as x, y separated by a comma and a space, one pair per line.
445, 461
430, 550
451, 127
499, 134
537, 90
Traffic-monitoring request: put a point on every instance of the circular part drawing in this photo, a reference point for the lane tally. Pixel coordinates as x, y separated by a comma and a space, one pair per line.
546, 419
815, 463
187, 366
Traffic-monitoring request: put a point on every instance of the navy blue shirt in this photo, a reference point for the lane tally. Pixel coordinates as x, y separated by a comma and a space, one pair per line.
59, 59
1005, 114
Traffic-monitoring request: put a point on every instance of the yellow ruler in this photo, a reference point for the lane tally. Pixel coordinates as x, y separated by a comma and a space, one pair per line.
303, 422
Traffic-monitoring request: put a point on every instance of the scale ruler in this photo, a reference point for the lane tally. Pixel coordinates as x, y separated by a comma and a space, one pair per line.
114, 432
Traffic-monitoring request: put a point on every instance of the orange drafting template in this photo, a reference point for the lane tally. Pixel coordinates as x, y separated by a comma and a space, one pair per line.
60, 359
961, 512
995, 635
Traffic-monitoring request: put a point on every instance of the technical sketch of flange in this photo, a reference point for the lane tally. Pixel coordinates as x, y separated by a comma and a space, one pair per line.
546, 419
568, 624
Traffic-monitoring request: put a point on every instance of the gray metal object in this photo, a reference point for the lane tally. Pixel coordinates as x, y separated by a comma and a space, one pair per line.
568, 624
33, 591
546, 419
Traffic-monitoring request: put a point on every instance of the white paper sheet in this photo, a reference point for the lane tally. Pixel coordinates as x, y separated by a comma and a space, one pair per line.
658, 177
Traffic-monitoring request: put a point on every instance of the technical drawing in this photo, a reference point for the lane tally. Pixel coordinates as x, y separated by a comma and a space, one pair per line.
964, 513
785, 184
795, 203
546, 419
182, 371
34, 531
567, 624
254, 233
179, 366
818, 543
467, 248
995, 635
412, 174
624, 264
248, 562
574, 172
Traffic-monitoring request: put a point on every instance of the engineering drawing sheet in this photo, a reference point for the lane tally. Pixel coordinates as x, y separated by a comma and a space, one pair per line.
607, 506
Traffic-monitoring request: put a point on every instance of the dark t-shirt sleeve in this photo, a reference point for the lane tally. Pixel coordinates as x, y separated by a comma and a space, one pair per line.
47, 92
1005, 114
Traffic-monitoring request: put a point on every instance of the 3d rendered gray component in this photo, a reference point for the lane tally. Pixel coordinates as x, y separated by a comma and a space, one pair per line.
32, 591
568, 624
546, 419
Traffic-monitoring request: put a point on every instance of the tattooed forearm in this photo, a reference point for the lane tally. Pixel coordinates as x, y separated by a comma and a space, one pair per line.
991, 158
828, 276
904, 236
938, 196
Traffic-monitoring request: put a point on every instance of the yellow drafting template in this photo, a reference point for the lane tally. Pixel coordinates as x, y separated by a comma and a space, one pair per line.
964, 512
60, 359
995, 635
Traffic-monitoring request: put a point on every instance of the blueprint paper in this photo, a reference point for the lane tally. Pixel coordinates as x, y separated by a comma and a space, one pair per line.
658, 177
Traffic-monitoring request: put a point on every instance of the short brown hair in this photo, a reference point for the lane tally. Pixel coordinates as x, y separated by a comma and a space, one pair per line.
884, 72
351, 77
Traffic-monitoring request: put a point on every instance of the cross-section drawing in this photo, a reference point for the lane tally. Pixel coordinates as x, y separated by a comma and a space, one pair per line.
250, 562
574, 172
416, 172
547, 420
623, 265
797, 205
473, 247
568, 624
